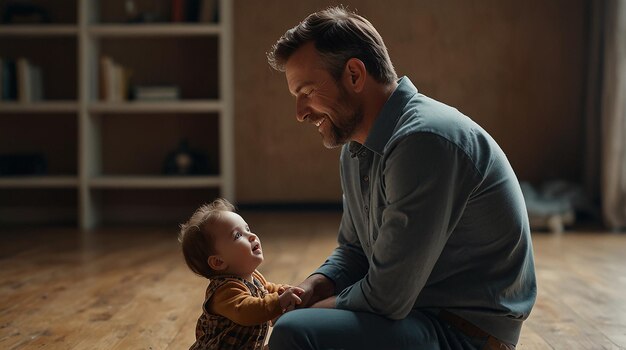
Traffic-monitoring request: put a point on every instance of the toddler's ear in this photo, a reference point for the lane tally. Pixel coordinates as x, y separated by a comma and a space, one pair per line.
216, 263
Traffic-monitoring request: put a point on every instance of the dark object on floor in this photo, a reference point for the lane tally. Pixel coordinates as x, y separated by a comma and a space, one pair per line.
555, 205
23, 164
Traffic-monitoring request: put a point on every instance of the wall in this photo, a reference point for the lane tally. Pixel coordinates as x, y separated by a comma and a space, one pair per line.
515, 67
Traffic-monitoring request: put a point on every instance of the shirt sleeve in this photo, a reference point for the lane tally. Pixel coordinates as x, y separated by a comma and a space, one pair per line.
234, 301
427, 181
347, 264
273, 287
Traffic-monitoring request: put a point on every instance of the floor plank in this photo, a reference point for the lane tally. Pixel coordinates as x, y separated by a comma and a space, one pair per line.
127, 288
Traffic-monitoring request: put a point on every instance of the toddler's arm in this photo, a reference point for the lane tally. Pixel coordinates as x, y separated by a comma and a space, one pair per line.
234, 301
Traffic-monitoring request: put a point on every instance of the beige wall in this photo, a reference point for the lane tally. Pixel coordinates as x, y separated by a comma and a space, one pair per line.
515, 67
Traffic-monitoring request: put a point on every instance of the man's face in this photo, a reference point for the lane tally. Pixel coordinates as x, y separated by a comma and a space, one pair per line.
320, 99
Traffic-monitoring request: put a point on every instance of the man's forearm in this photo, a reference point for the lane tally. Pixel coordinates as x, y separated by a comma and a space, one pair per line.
345, 266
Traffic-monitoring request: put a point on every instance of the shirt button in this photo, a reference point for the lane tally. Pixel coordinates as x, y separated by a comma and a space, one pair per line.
366, 178
363, 154
367, 208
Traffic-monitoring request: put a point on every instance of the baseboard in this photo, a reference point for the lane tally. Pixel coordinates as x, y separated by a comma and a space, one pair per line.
295, 207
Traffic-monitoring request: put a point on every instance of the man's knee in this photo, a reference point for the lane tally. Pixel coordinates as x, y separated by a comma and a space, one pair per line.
290, 332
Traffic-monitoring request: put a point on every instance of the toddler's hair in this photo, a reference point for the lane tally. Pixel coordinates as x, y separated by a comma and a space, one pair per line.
195, 236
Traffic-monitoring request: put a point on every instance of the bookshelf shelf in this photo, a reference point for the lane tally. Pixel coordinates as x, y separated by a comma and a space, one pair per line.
39, 107
135, 182
41, 30
184, 106
147, 30
39, 182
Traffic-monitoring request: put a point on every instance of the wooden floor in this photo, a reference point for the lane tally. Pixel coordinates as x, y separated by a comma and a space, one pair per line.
129, 288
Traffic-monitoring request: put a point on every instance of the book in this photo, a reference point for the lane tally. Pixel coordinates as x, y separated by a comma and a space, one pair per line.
114, 80
106, 78
123, 75
118, 83
1, 79
24, 88
36, 83
178, 10
9, 81
192, 10
208, 11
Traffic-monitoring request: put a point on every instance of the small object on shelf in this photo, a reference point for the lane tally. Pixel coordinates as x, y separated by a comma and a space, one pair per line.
24, 12
23, 164
135, 15
156, 93
194, 11
184, 161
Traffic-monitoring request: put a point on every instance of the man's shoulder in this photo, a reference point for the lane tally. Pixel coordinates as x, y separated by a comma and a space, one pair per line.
424, 117
423, 114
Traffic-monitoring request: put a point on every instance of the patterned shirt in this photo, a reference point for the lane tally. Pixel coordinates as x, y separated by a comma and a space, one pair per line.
236, 313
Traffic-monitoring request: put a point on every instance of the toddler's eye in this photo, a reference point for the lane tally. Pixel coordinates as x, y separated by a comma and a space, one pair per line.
238, 235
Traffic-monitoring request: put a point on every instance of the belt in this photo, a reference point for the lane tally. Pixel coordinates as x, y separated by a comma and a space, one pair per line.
472, 331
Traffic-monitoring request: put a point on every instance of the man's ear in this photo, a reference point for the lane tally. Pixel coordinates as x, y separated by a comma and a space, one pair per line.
355, 74
216, 263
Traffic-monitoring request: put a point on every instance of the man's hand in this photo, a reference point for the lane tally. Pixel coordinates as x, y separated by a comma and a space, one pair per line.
316, 287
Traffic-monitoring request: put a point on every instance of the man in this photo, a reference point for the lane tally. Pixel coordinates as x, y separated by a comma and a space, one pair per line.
434, 243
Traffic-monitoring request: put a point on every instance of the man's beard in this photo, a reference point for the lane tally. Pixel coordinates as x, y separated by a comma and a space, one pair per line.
341, 132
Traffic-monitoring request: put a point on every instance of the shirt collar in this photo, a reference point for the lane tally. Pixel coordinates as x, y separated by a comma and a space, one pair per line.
387, 118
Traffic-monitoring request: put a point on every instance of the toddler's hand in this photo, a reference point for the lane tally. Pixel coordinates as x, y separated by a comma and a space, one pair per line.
290, 298
285, 287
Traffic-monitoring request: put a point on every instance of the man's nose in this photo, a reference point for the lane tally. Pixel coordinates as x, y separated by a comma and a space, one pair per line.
302, 109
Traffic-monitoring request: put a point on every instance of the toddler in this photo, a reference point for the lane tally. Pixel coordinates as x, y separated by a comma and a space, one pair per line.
239, 303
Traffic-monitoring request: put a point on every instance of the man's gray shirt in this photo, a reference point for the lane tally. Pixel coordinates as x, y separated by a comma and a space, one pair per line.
433, 218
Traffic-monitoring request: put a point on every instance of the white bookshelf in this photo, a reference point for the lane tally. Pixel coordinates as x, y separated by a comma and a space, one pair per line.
39, 182
44, 30
198, 106
39, 107
155, 181
93, 178
144, 30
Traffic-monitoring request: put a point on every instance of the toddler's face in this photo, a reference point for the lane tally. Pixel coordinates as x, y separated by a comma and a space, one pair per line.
236, 245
